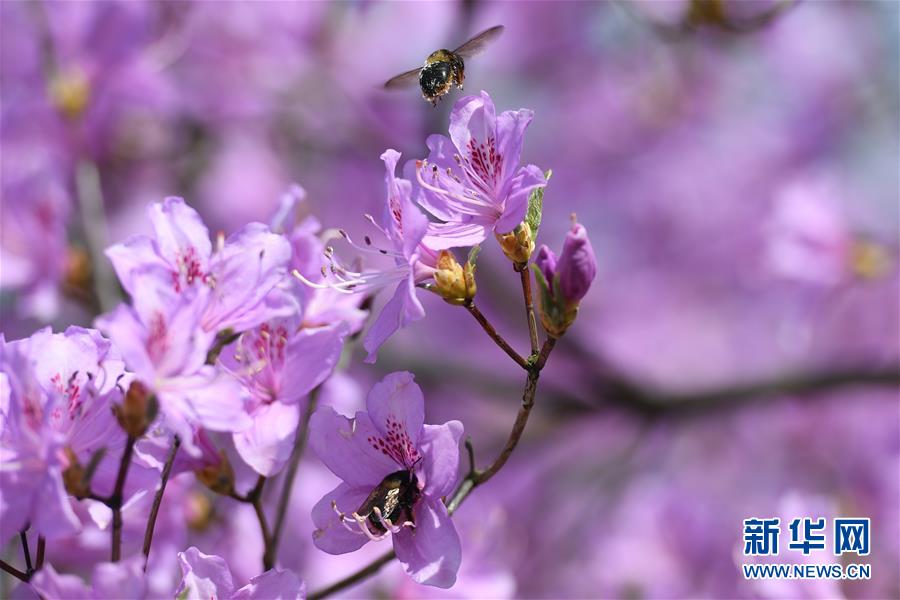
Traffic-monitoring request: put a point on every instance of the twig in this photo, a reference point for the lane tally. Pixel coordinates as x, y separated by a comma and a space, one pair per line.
13, 571
254, 498
42, 546
93, 218
29, 569
492, 333
117, 498
364, 573
157, 500
525, 275
290, 474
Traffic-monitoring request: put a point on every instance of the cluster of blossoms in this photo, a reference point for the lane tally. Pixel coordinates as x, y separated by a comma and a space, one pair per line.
224, 342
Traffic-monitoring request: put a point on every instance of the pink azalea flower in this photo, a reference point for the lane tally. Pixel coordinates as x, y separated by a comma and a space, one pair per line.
472, 180
124, 579
207, 576
242, 274
388, 452
279, 363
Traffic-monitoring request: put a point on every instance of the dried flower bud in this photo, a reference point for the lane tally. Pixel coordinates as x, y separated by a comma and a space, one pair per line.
455, 283
200, 510
75, 475
137, 411
518, 244
70, 91
218, 476
564, 282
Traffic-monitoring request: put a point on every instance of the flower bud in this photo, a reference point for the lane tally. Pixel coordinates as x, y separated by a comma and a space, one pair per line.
577, 265
218, 476
70, 91
137, 411
199, 509
75, 476
455, 283
564, 282
518, 244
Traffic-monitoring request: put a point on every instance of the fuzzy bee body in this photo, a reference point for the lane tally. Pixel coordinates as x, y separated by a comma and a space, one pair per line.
394, 498
444, 68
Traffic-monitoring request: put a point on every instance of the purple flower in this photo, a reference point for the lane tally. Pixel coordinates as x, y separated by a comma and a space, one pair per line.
56, 392
395, 470
472, 180
242, 274
279, 364
564, 282
321, 305
404, 226
207, 576
163, 341
124, 579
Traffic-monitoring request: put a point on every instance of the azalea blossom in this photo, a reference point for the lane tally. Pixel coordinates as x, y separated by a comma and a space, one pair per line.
472, 180
279, 363
388, 452
242, 274
404, 227
56, 396
163, 341
320, 304
206, 576
124, 579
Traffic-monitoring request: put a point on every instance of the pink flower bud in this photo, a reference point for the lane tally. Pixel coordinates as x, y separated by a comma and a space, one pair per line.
577, 265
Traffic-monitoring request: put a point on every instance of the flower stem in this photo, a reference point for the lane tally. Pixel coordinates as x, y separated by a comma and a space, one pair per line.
93, 218
525, 275
13, 571
42, 546
360, 575
254, 498
157, 500
288, 484
492, 333
117, 498
24, 537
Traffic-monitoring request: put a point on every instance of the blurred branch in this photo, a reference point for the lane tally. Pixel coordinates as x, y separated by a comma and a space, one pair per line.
93, 218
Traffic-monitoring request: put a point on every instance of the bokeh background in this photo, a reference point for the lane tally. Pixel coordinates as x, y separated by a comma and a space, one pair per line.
736, 165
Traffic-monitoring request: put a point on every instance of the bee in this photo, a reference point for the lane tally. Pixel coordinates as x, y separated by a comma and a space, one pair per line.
391, 502
443, 67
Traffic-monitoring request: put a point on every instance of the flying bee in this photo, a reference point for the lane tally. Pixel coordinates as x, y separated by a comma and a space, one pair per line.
443, 67
389, 507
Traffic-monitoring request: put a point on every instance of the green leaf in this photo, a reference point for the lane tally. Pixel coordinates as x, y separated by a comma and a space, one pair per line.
473, 254
536, 207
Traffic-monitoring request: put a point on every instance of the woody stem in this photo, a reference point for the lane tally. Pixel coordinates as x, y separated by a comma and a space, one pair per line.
157, 500
525, 276
492, 333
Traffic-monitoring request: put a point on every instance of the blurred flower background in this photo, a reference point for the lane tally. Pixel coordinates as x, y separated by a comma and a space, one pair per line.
735, 162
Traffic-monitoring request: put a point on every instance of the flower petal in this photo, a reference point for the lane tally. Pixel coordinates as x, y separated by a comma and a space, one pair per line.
330, 535
431, 553
274, 584
266, 445
403, 308
135, 254
443, 236
396, 403
50, 584
511, 126
204, 576
343, 445
472, 117
440, 446
519, 189
310, 358
179, 232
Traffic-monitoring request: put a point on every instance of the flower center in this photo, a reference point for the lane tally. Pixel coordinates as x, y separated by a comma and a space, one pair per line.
396, 444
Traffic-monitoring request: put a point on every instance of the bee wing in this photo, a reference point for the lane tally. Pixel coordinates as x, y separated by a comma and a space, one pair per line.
478, 43
403, 79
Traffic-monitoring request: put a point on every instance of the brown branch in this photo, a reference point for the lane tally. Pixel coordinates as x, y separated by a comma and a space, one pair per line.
42, 546
157, 500
492, 333
525, 275
23, 536
115, 501
254, 498
360, 575
13, 571
288, 485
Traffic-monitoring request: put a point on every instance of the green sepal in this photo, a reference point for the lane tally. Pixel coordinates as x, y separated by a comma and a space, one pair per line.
536, 207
